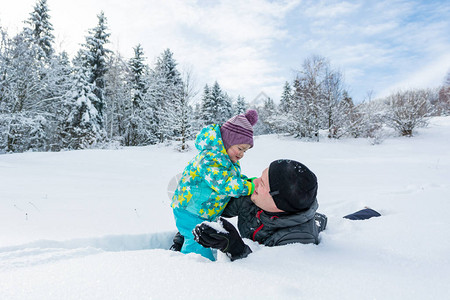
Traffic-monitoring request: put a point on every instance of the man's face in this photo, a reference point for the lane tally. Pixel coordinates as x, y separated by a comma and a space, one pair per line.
261, 196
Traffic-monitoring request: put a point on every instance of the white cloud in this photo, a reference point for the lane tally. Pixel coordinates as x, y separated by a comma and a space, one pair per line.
326, 9
253, 46
379, 28
375, 43
431, 75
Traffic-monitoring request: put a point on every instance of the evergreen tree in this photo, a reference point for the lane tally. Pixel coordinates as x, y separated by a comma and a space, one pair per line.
286, 98
303, 113
351, 118
197, 119
58, 82
32, 84
207, 107
224, 108
95, 59
41, 29
216, 105
241, 106
167, 90
138, 71
138, 90
118, 99
21, 74
22, 127
4, 63
141, 125
264, 124
82, 129
187, 118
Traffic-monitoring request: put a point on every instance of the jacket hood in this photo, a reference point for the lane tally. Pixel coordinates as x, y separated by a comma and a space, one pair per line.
209, 138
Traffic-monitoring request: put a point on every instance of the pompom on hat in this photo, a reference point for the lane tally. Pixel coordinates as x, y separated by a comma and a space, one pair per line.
239, 129
292, 185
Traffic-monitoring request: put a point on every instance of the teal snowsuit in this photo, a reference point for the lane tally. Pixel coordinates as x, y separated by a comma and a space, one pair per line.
207, 184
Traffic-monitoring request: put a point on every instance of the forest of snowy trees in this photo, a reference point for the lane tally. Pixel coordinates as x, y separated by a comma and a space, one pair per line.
50, 102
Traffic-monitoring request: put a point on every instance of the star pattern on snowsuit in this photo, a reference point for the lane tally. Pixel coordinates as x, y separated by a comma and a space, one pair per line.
210, 179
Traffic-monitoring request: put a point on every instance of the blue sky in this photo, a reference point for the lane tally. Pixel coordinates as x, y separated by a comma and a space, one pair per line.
255, 46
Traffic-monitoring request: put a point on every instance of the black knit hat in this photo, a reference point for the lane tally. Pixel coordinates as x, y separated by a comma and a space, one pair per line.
292, 185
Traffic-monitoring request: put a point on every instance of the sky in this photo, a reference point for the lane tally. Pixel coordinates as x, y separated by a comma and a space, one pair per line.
253, 47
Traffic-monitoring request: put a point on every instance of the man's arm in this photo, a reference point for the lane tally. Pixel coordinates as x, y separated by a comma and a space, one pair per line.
234, 206
306, 233
296, 237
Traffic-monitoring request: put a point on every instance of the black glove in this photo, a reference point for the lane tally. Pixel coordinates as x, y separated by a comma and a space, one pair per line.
230, 242
178, 241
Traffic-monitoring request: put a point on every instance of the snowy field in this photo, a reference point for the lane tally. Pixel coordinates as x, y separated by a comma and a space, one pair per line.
96, 224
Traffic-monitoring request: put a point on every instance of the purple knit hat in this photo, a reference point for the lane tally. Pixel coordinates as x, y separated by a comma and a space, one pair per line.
239, 130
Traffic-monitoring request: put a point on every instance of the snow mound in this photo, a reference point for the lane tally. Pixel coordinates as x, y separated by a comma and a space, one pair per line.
96, 224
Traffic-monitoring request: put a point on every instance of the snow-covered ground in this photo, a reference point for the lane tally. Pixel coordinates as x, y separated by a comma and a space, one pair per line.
96, 224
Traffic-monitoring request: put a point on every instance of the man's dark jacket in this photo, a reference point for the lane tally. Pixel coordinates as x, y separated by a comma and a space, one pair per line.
273, 229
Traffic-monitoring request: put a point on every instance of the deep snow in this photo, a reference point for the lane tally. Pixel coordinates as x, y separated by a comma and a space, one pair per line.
96, 224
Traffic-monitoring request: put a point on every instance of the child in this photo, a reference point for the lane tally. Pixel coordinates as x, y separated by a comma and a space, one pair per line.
212, 177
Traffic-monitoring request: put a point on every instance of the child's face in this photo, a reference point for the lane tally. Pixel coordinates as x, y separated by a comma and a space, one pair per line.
236, 152
261, 196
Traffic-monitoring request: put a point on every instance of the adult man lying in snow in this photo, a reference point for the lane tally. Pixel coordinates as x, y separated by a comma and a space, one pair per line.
282, 210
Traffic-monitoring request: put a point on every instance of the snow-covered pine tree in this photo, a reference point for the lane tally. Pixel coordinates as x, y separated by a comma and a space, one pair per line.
187, 118
352, 119
286, 99
264, 124
216, 105
41, 29
58, 82
303, 118
138, 90
167, 90
117, 98
280, 119
21, 74
137, 73
6, 97
225, 108
53, 72
241, 106
82, 129
141, 123
287, 118
22, 92
40, 36
4, 44
95, 59
149, 132
207, 107
197, 119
